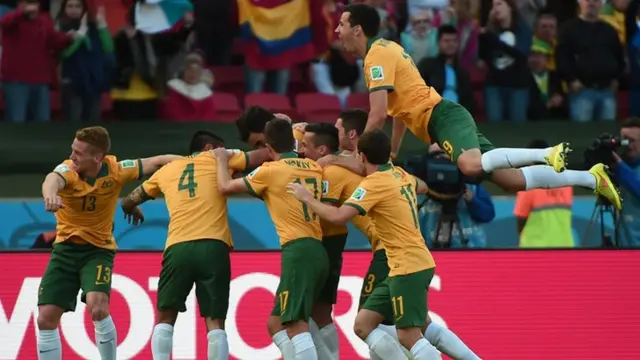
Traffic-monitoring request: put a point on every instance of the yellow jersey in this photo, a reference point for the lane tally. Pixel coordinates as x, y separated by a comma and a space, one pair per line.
388, 67
389, 197
89, 204
197, 210
338, 184
292, 218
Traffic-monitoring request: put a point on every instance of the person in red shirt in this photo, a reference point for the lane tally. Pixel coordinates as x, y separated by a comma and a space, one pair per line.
27, 69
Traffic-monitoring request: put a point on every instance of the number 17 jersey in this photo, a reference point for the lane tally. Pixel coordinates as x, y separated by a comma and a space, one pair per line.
292, 218
197, 210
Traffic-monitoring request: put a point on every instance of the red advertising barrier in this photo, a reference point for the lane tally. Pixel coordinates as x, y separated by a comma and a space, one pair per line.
525, 305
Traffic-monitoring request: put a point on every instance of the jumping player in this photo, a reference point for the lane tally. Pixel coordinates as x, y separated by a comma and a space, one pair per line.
198, 242
397, 89
304, 260
83, 193
388, 194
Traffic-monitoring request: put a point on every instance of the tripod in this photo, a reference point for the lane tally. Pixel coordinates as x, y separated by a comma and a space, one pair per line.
447, 222
602, 207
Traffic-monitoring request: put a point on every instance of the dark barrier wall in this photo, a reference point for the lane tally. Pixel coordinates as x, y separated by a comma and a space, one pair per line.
29, 152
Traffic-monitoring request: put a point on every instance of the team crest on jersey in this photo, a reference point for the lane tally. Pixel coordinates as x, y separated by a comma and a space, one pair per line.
376, 73
62, 168
325, 187
253, 173
127, 164
359, 194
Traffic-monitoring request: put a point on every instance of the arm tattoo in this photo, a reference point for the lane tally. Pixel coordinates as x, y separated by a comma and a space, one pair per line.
137, 197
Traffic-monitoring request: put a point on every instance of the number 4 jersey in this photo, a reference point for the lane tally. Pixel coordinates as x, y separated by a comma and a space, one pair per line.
292, 219
197, 210
89, 204
389, 197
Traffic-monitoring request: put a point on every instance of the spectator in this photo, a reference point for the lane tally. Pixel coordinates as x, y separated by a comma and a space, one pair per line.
613, 13
30, 42
504, 47
546, 30
87, 64
590, 59
443, 72
475, 207
544, 215
461, 15
416, 6
627, 174
422, 41
545, 87
189, 97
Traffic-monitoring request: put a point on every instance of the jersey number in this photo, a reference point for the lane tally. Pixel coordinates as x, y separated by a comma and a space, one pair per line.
89, 203
408, 193
407, 57
314, 184
188, 180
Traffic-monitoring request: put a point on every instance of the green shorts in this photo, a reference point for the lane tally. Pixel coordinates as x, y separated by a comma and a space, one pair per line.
204, 263
455, 130
334, 245
376, 274
405, 296
304, 269
74, 267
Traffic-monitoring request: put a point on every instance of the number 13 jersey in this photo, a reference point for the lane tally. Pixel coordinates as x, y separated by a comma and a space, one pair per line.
292, 219
389, 197
197, 210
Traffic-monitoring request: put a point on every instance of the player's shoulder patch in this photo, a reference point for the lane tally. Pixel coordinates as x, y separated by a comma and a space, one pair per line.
254, 172
62, 168
376, 73
359, 194
325, 187
127, 164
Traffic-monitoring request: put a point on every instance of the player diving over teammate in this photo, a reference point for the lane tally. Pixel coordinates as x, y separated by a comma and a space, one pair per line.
304, 260
389, 195
83, 193
396, 89
198, 241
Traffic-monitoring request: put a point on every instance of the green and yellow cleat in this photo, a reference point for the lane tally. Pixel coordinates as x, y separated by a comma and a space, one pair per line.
557, 158
604, 186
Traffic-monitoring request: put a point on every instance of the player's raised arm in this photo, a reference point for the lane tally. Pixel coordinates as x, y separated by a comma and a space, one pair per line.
152, 164
350, 163
226, 185
148, 190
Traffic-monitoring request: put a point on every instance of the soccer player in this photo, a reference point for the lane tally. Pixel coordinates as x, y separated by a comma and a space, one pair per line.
83, 192
388, 194
198, 242
397, 89
351, 125
304, 260
251, 124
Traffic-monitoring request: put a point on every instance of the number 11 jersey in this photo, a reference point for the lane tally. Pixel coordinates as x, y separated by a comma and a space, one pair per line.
292, 218
197, 210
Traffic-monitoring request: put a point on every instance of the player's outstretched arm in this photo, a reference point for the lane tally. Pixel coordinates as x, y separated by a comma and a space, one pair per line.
52, 183
336, 216
350, 163
152, 164
130, 208
397, 134
421, 186
226, 185
378, 109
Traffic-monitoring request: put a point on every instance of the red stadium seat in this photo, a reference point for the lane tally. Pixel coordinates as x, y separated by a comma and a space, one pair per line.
623, 103
227, 107
477, 76
358, 101
229, 79
317, 107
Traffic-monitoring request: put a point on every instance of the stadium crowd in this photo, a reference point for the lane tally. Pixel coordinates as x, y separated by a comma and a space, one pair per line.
514, 60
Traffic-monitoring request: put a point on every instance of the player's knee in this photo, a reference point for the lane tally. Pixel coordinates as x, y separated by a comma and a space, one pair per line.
363, 325
274, 325
321, 314
48, 317
409, 336
470, 163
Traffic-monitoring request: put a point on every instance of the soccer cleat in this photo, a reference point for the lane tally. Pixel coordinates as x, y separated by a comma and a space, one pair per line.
557, 158
604, 186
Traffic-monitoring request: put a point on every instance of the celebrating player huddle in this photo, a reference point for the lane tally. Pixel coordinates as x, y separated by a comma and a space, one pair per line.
313, 179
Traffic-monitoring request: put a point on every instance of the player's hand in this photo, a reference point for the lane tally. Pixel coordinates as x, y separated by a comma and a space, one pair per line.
134, 216
327, 160
221, 153
300, 192
52, 203
300, 127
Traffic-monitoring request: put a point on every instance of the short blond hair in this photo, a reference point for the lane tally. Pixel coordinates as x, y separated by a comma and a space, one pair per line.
96, 136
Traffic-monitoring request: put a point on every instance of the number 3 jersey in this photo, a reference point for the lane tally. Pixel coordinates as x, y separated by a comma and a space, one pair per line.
89, 204
389, 197
197, 210
292, 219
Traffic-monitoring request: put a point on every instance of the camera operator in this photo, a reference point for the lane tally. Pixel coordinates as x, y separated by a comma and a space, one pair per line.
626, 169
449, 215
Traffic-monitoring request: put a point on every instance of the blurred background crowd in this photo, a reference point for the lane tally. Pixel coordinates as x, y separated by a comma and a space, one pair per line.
130, 62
